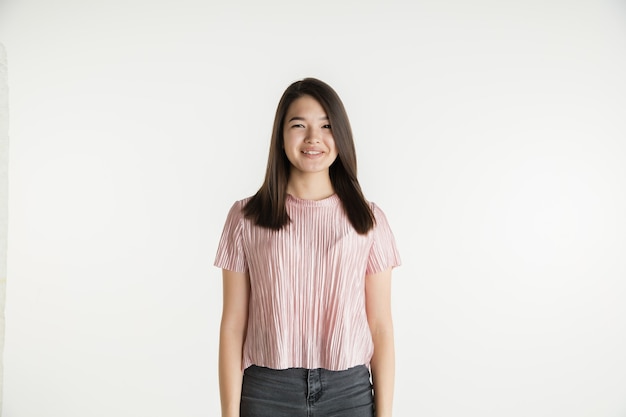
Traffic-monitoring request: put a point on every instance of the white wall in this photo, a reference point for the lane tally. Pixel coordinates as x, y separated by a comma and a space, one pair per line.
492, 133
4, 196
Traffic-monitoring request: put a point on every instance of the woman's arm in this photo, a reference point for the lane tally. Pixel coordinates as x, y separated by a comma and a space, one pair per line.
378, 307
236, 292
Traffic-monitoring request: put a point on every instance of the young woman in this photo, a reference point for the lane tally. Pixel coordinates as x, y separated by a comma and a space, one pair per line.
306, 262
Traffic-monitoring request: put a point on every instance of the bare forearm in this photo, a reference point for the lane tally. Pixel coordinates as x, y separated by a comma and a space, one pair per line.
383, 372
230, 372
232, 335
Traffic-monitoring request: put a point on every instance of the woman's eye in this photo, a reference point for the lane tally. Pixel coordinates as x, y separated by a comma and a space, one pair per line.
326, 127
298, 125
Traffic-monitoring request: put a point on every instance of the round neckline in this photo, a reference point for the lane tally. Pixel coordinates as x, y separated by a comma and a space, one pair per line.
331, 200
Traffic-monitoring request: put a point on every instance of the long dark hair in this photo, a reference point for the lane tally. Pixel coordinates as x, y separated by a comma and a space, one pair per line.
267, 207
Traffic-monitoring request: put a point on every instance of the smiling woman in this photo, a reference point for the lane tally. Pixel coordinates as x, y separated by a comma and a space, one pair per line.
307, 269
319, 101
309, 145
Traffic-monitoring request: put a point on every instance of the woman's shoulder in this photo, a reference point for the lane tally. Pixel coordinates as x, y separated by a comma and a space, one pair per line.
237, 208
378, 212
374, 207
242, 202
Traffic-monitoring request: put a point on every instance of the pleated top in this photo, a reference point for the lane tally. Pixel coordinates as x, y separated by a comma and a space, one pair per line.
307, 283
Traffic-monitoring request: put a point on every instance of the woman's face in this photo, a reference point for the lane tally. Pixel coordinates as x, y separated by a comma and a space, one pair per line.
308, 137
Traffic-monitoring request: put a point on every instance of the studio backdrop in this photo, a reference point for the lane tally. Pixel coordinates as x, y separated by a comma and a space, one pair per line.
491, 133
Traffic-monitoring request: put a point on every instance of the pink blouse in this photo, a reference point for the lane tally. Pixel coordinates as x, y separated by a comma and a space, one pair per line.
307, 284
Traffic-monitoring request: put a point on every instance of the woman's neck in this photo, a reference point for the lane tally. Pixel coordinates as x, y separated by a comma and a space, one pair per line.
310, 187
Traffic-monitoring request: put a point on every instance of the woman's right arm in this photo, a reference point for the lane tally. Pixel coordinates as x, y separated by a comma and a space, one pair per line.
236, 293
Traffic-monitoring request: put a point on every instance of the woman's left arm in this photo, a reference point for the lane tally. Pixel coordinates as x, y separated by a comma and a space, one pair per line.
378, 307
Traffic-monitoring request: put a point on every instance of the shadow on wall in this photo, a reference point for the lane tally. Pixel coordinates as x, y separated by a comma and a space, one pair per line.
4, 167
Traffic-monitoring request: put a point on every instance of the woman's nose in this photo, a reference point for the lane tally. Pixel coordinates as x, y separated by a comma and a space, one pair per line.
313, 136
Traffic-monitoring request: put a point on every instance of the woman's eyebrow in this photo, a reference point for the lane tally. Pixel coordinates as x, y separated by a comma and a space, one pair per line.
302, 118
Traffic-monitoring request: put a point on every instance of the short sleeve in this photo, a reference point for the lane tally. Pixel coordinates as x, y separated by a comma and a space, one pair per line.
230, 252
383, 253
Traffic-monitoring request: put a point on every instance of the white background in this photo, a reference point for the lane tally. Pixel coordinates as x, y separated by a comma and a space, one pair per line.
492, 133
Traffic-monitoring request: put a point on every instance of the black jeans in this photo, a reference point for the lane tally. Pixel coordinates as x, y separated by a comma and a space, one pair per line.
299, 392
